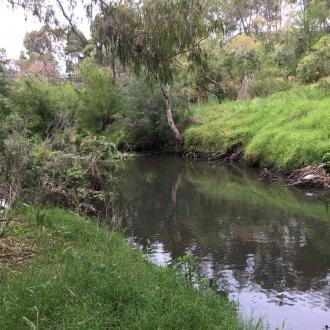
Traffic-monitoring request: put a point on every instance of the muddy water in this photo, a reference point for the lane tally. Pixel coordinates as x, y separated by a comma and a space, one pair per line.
268, 246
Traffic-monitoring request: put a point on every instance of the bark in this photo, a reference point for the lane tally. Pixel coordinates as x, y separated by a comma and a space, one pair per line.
245, 87
170, 120
243, 23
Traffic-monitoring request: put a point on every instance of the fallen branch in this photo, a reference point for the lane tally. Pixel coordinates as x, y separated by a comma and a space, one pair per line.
310, 176
268, 175
231, 154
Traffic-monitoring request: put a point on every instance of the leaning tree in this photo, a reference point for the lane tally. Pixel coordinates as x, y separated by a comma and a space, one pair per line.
151, 36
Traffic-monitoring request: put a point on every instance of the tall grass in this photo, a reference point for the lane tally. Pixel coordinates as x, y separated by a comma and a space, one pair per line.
86, 277
287, 130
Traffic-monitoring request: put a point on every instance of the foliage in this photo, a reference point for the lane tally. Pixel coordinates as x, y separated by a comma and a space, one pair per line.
266, 87
315, 65
326, 161
13, 166
38, 42
100, 97
226, 69
92, 266
229, 50
82, 180
189, 265
76, 44
201, 48
143, 125
59, 170
312, 23
4, 84
43, 106
150, 36
324, 84
228, 66
98, 145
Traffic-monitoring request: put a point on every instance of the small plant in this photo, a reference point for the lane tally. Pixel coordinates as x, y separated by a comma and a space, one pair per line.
324, 85
326, 162
189, 265
13, 165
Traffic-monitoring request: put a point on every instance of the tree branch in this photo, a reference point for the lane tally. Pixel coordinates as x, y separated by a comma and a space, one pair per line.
73, 28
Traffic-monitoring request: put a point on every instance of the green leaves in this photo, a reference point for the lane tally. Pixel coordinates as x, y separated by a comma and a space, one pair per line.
151, 36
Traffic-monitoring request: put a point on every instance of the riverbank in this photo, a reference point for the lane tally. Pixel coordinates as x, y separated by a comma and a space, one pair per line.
79, 274
285, 131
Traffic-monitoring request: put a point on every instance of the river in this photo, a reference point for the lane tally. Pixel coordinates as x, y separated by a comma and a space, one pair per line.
265, 244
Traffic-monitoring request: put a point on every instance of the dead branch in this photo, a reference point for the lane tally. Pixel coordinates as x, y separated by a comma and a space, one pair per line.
310, 176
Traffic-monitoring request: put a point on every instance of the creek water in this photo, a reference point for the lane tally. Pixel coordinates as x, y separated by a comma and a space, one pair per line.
265, 244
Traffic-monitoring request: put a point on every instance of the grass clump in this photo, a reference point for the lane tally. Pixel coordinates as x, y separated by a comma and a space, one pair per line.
287, 130
87, 277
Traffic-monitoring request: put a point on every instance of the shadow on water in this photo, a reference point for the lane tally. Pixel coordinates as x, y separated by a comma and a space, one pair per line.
266, 244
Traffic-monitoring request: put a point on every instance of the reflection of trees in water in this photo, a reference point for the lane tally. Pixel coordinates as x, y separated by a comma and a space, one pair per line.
230, 219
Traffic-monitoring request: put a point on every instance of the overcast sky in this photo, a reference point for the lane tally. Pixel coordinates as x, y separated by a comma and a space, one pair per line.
14, 25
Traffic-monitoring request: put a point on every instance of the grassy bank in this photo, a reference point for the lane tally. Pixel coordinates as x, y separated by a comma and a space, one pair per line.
84, 276
286, 131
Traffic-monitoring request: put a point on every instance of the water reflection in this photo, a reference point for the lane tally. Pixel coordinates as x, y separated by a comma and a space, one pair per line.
265, 244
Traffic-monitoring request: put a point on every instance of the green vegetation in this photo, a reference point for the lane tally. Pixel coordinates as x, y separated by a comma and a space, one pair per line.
86, 276
196, 76
287, 130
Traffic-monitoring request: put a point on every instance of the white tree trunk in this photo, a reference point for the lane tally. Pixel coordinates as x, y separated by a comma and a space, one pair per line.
245, 87
170, 120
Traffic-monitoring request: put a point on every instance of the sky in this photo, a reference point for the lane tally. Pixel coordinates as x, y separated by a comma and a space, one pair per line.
14, 25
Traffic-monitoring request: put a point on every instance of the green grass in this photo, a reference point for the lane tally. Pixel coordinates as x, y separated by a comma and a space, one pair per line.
87, 277
287, 130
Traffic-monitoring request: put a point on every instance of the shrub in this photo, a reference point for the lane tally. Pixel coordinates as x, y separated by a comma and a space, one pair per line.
326, 161
143, 122
265, 87
100, 97
45, 107
316, 65
324, 84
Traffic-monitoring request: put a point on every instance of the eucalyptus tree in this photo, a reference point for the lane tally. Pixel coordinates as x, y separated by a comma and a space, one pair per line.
151, 37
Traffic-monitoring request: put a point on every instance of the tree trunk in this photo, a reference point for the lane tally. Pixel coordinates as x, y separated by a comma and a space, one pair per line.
245, 87
170, 120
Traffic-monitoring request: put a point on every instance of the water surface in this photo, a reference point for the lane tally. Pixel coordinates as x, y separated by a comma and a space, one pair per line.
265, 244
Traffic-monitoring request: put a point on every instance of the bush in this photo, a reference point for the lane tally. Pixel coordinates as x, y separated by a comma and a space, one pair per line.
143, 122
100, 97
316, 65
98, 146
326, 161
265, 87
308, 69
324, 84
45, 107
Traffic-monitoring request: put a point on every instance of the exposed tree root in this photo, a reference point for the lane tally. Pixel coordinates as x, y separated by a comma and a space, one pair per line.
231, 154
